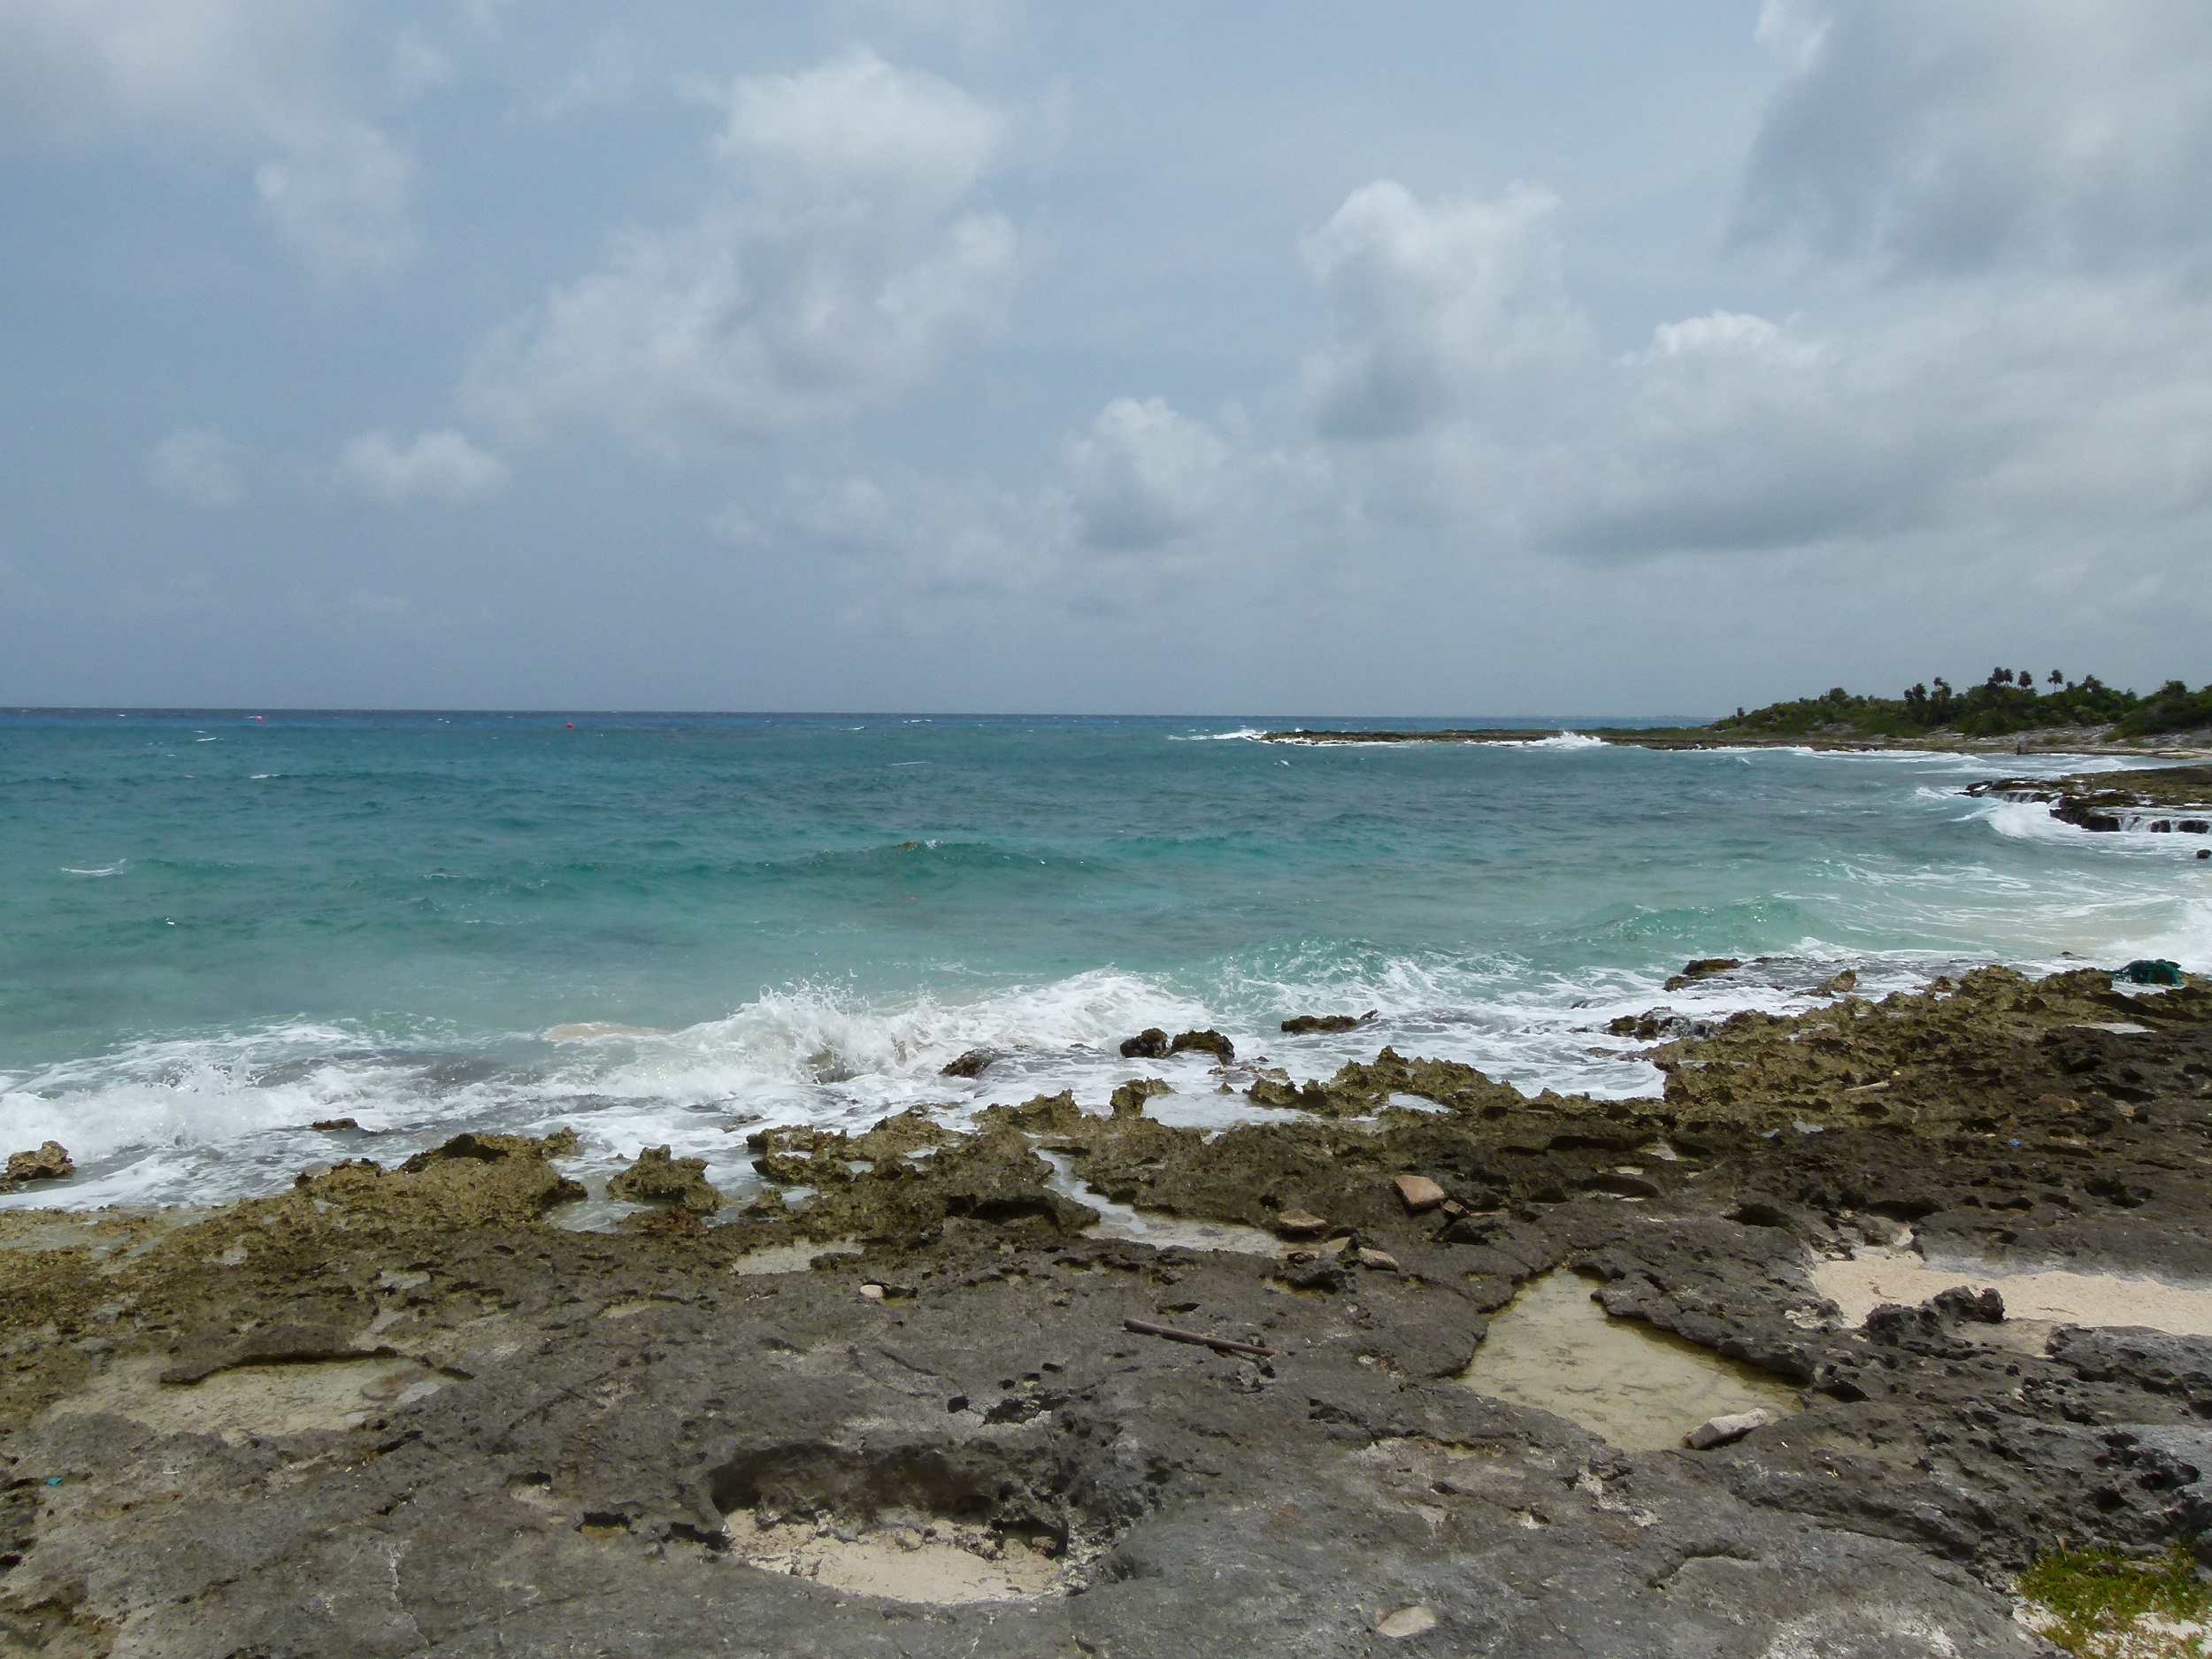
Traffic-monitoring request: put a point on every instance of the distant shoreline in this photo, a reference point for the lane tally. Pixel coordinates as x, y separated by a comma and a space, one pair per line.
1706, 737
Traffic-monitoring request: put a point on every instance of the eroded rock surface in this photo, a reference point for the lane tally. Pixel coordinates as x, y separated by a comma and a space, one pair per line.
394, 1412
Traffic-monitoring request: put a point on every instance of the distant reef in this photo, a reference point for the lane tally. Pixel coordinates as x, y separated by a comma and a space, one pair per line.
2009, 712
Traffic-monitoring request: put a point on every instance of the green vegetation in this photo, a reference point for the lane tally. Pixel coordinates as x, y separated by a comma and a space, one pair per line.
2008, 702
2101, 1605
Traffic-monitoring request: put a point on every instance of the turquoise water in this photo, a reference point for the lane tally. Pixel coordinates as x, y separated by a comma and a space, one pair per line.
219, 929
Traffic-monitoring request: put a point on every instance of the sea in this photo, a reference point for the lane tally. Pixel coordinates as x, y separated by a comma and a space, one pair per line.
219, 929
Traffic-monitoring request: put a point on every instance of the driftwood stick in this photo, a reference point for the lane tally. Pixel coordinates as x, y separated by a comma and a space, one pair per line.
1219, 1344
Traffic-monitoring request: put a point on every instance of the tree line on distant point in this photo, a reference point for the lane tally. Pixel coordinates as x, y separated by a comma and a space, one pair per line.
2008, 701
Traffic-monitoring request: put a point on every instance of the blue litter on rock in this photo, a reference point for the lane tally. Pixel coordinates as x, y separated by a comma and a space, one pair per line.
2151, 971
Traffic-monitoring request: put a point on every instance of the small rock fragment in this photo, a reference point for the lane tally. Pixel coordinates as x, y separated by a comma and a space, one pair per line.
1148, 1044
1421, 1195
969, 1064
1379, 1259
332, 1125
1838, 984
50, 1163
1300, 1224
871, 1293
1402, 1622
1725, 1430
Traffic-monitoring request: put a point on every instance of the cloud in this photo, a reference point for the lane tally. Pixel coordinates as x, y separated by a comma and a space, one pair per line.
1462, 387
1950, 138
1434, 309
1144, 475
438, 466
256, 78
340, 197
841, 257
199, 467
908, 538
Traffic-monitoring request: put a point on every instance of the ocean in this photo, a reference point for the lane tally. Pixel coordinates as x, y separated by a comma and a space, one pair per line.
219, 929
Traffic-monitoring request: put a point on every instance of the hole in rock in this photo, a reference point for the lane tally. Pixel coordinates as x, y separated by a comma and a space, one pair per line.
1555, 1348
938, 1525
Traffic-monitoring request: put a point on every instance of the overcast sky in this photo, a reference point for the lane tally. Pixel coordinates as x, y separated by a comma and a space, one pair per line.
1279, 356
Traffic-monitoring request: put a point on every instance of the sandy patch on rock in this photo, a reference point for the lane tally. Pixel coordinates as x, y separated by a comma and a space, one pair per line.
791, 1258
1872, 1278
898, 1563
254, 1400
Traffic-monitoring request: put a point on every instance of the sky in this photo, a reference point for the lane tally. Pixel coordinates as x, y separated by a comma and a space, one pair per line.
973, 355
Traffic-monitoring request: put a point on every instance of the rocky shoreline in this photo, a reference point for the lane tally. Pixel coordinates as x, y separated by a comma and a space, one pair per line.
2046, 741
914, 1401
2170, 799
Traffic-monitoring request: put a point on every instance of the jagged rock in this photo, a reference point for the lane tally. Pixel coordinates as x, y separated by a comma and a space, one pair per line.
1208, 1041
1838, 984
1702, 968
1041, 1112
1148, 1044
472, 1179
969, 1064
658, 1179
1128, 1100
1305, 1023
332, 1126
48, 1162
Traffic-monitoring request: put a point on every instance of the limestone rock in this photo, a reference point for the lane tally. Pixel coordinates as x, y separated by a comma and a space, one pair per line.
658, 1179
50, 1163
1206, 1041
969, 1064
1300, 1224
1702, 968
1128, 1100
1305, 1023
1148, 1044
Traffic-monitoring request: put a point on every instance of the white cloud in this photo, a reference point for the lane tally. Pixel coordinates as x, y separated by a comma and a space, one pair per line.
908, 538
438, 466
197, 467
844, 257
1434, 309
1145, 475
340, 197
1950, 137
256, 78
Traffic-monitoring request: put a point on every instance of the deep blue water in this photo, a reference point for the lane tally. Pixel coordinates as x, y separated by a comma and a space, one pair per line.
215, 929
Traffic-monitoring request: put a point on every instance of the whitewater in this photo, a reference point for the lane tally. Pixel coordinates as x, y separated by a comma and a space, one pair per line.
223, 929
